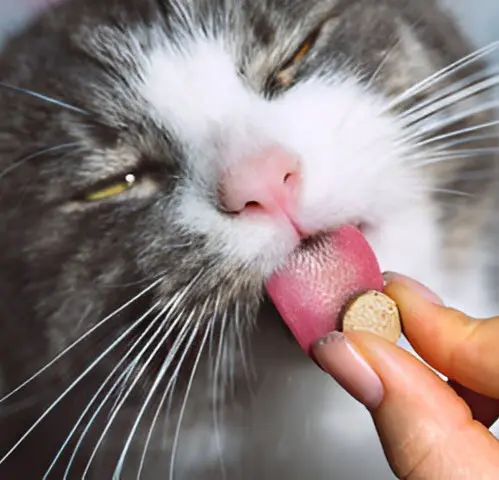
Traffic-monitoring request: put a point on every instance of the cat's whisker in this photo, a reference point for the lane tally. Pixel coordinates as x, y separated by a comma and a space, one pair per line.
218, 379
187, 392
145, 365
447, 191
430, 125
81, 339
167, 392
452, 134
159, 344
117, 408
240, 342
457, 86
37, 154
230, 354
121, 378
211, 342
44, 98
159, 378
437, 106
101, 389
123, 384
464, 140
73, 384
440, 75
457, 155
382, 63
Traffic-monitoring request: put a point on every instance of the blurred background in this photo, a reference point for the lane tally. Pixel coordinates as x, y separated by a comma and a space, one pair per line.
480, 19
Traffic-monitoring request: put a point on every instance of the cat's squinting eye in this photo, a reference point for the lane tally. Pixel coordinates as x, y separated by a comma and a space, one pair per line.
285, 75
111, 190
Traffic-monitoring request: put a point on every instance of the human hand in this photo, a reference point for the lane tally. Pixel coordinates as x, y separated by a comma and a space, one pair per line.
429, 429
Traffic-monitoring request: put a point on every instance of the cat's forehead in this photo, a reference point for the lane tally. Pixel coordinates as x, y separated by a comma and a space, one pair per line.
256, 37
245, 25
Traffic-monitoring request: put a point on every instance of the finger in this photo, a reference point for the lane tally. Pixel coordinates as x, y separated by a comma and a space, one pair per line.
484, 409
426, 430
460, 347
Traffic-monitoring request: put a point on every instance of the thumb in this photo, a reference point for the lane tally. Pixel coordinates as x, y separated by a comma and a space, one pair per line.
426, 429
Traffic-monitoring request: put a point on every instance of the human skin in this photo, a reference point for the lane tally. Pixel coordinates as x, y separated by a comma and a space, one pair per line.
429, 428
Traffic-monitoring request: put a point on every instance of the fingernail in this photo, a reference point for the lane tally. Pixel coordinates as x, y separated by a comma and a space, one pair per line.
337, 357
413, 285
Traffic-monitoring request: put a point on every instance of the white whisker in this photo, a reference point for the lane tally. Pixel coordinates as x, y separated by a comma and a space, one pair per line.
249, 373
466, 139
186, 397
138, 376
159, 377
383, 62
455, 133
123, 382
441, 74
174, 305
217, 377
80, 339
169, 388
71, 387
435, 107
459, 155
99, 391
447, 191
457, 86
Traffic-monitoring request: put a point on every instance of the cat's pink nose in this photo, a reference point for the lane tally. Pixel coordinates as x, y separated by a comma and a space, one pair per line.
266, 182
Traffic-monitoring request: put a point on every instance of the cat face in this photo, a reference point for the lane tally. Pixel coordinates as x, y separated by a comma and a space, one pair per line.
181, 150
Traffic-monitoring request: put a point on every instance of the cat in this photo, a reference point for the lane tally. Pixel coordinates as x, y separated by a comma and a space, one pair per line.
141, 144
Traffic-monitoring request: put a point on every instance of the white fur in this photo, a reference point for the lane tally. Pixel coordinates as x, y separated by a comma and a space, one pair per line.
353, 160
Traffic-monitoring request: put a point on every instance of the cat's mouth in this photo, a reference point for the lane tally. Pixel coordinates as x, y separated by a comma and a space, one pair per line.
321, 275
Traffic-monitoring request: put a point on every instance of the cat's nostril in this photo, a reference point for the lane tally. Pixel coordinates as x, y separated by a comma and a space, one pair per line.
252, 205
264, 183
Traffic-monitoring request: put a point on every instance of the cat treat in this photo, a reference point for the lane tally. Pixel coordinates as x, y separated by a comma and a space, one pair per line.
373, 312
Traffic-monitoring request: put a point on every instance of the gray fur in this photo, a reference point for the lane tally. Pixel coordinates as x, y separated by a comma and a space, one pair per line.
65, 265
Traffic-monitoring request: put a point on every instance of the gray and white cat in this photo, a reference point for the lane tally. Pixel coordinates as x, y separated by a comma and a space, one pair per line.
145, 147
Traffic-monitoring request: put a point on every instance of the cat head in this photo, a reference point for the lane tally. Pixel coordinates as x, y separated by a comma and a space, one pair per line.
173, 154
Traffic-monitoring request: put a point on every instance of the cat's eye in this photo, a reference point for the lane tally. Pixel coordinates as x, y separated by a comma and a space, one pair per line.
302, 51
285, 75
112, 189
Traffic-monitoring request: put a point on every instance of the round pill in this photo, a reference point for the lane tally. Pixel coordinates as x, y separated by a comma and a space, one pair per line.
373, 312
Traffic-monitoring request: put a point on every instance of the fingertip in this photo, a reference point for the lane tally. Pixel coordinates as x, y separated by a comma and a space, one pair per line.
340, 359
455, 344
412, 285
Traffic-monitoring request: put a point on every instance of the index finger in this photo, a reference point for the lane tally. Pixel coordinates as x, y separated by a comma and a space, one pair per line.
462, 348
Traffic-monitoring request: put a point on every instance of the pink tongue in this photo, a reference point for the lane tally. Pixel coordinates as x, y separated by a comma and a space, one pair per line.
312, 289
